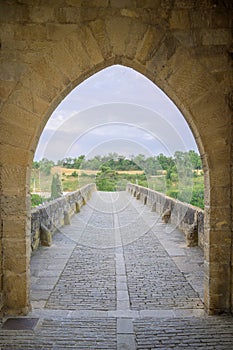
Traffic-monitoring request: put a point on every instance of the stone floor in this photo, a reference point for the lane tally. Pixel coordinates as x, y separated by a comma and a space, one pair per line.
117, 278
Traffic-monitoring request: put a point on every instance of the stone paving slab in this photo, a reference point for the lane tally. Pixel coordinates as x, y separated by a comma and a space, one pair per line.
87, 282
154, 280
190, 333
64, 334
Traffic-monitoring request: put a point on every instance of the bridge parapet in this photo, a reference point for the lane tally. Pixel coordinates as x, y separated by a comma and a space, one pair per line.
46, 219
188, 218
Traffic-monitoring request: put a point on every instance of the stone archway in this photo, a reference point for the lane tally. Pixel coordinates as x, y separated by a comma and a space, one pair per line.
47, 50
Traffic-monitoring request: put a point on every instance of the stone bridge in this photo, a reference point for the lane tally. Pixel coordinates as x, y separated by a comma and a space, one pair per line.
48, 218
49, 47
117, 275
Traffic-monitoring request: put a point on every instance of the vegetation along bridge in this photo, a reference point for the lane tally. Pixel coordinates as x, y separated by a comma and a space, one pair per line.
117, 274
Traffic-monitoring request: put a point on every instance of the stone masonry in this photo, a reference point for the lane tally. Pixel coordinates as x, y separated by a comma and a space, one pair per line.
186, 217
48, 218
49, 47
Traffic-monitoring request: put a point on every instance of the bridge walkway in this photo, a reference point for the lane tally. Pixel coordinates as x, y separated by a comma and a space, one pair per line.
118, 278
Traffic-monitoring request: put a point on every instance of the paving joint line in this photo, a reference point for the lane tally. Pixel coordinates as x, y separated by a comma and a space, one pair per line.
125, 332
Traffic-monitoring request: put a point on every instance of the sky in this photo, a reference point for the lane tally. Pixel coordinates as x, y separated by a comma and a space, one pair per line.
116, 110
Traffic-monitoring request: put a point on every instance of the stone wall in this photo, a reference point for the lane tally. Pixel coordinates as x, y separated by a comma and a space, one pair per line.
46, 219
188, 218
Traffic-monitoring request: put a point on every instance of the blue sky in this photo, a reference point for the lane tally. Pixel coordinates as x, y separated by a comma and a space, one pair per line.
115, 110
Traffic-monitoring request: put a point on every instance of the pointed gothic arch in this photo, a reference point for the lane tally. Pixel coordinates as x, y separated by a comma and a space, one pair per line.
58, 57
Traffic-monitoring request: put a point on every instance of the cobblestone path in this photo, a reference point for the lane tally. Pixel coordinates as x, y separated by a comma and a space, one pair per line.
118, 278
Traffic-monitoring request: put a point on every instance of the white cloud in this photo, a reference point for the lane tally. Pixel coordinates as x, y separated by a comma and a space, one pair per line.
115, 103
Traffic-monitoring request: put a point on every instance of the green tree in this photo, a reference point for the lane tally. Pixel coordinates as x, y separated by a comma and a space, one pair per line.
92, 164
78, 161
35, 165
36, 199
106, 179
68, 162
46, 166
56, 187
140, 161
195, 159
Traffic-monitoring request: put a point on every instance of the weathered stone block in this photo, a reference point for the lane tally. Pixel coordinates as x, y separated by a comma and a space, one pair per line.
185, 38
129, 13
218, 301
95, 3
200, 18
215, 63
41, 14
59, 31
122, 3
217, 113
15, 206
179, 19
191, 236
75, 49
184, 3
215, 37
13, 12
60, 54
67, 217
13, 180
35, 240
220, 195
220, 18
11, 71
166, 216
67, 14
219, 218
94, 51
134, 37
148, 3
16, 293
16, 227
98, 28
6, 88
218, 253
217, 236
15, 135
16, 264
153, 208
77, 205
23, 117
117, 30
40, 85
216, 174
84, 200
149, 44
14, 156
31, 32
75, 3
16, 247
45, 236
188, 79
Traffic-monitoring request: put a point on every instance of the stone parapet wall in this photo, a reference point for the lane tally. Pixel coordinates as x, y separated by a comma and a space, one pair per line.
188, 218
46, 219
